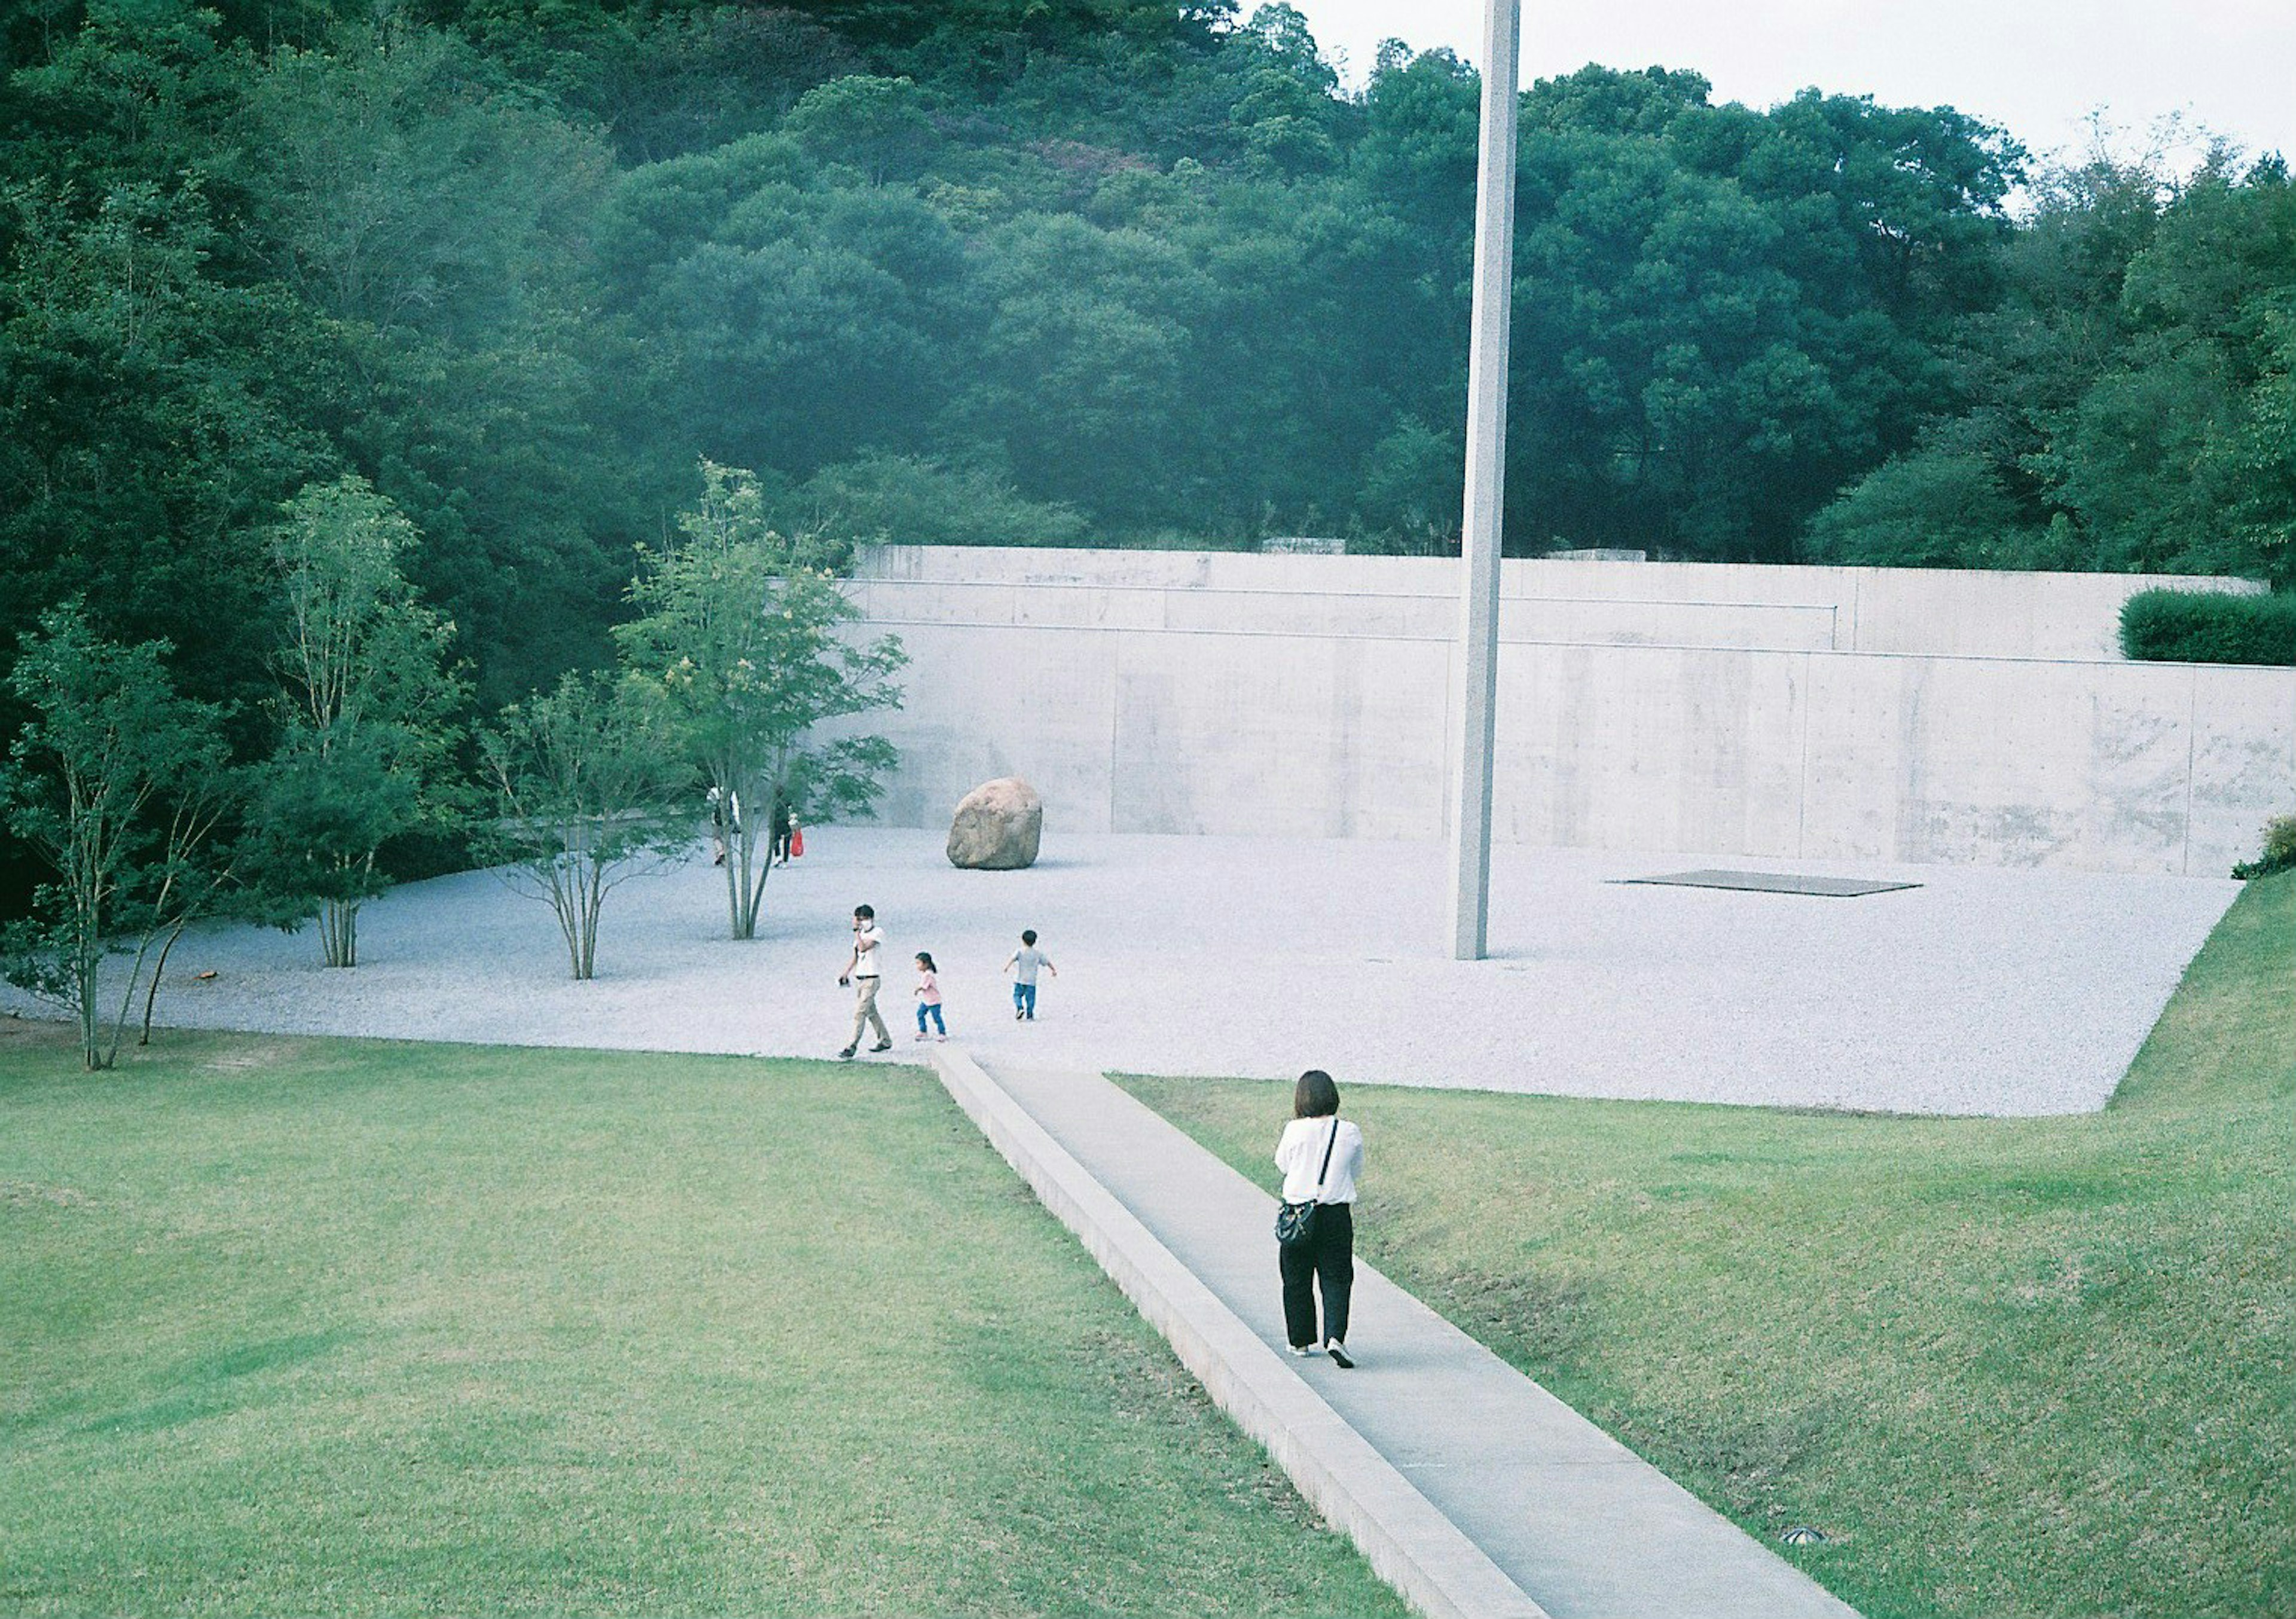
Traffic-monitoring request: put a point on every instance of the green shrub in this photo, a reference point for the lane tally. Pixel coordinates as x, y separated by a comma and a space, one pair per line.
2279, 851
912, 500
2189, 626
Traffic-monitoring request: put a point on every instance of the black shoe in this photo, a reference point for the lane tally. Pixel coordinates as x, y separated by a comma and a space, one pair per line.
883, 1045
1339, 1353
847, 1054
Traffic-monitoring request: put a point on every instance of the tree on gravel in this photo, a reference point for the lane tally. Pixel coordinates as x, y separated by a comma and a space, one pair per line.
590, 789
744, 632
120, 783
372, 708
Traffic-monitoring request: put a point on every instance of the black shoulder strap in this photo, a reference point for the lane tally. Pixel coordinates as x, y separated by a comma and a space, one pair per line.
1326, 1169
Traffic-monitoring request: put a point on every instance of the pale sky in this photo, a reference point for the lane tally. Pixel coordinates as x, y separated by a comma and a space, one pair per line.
2038, 68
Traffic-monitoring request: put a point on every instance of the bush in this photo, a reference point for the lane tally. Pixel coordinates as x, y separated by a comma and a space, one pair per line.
2279, 851
1931, 508
2187, 626
908, 499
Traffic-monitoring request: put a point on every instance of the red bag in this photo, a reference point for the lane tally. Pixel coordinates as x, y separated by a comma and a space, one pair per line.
797, 841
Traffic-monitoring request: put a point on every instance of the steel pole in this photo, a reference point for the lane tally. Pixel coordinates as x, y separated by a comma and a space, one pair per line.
1475, 679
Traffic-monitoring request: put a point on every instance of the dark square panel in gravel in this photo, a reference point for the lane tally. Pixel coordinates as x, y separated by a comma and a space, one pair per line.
1773, 882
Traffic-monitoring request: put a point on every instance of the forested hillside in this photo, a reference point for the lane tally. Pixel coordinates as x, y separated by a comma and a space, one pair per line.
1013, 271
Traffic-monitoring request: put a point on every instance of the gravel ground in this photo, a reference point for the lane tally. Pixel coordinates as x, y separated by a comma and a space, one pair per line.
1981, 991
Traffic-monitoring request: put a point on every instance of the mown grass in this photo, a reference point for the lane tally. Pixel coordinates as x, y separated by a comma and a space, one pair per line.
2012, 1367
355, 1328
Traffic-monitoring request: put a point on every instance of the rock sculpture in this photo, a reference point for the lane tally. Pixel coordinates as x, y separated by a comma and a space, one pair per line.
997, 827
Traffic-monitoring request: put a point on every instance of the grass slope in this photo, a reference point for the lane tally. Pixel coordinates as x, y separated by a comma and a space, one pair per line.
2015, 1366
354, 1328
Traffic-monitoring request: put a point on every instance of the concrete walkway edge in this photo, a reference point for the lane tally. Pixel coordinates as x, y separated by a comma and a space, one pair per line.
1411, 1544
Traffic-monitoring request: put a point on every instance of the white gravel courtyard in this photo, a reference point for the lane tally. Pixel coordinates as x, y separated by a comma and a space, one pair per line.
1981, 991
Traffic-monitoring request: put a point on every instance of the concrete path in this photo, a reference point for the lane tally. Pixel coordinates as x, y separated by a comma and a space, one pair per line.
1430, 1440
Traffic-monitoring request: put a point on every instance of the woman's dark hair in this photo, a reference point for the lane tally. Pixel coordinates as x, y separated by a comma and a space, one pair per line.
1314, 1096
924, 959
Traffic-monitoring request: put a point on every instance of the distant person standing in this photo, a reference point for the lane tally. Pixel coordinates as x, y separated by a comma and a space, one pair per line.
1320, 1153
720, 822
784, 820
929, 995
863, 972
1024, 964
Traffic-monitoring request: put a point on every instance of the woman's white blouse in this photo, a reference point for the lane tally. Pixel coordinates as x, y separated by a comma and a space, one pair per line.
1300, 1154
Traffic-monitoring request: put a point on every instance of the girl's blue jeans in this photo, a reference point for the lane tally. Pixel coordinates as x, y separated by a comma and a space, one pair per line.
939, 1026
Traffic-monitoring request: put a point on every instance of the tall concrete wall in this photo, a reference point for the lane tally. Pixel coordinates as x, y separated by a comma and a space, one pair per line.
1196, 695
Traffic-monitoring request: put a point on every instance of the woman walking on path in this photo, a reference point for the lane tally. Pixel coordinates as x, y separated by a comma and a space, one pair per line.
1320, 1154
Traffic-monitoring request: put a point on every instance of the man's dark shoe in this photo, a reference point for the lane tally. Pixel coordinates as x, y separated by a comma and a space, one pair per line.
883, 1045
845, 1055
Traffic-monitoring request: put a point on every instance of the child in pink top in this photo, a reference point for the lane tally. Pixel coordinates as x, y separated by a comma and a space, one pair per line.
929, 995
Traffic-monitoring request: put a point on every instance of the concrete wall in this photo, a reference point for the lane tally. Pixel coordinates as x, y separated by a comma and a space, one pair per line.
1843, 610
1198, 697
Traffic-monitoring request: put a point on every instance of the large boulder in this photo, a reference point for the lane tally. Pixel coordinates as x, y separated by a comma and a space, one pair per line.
997, 827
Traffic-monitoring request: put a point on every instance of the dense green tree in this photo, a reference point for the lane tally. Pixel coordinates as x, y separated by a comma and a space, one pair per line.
590, 790
741, 632
1037, 269
877, 498
119, 782
438, 220
149, 418
2124, 392
372, 708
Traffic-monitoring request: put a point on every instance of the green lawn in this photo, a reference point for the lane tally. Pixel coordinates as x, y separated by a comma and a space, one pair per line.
352, 1327
2038, 1367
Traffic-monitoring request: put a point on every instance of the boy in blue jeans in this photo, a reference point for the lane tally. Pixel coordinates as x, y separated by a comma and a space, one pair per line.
1023, 965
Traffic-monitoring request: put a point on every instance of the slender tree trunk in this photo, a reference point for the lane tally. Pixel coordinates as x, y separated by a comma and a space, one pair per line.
152, 992
562, 897
754, 893
88, 956
745, 901
339, 931
735, 864
118, 1031
593, 897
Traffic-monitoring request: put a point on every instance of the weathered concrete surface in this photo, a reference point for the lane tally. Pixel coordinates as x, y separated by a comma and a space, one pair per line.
1177, 693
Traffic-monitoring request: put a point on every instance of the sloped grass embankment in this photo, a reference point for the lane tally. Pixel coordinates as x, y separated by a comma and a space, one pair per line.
2040, 1367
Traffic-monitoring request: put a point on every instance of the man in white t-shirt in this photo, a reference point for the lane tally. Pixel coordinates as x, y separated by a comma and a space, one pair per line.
863, 972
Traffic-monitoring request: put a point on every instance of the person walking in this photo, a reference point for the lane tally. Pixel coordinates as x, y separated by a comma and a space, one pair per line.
1024, 964
863, 972
929, 995
1320, 1153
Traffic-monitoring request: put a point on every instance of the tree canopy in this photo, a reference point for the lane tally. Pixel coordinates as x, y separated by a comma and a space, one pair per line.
1048, 271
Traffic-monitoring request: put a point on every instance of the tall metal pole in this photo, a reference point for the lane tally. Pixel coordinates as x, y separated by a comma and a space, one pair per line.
1475, 681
